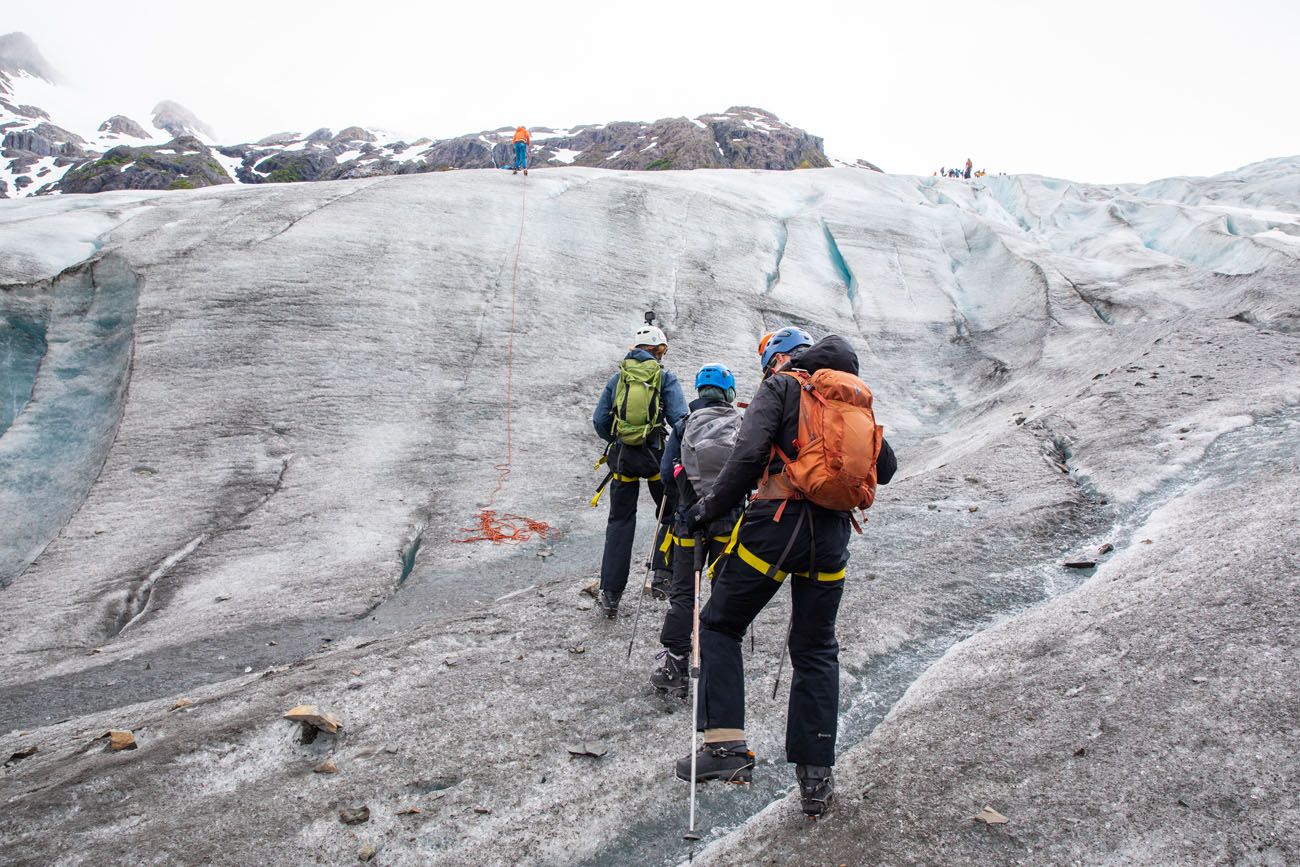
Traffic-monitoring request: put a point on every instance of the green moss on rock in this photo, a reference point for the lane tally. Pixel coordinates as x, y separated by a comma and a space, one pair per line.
118, 156
287, 175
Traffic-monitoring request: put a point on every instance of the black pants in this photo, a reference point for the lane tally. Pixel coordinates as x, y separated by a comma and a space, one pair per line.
620, 532
678, 622
741, 591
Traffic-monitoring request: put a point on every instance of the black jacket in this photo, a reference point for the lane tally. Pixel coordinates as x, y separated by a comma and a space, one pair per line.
773, 417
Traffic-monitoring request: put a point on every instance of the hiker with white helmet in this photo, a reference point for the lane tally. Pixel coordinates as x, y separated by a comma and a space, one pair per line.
638, 400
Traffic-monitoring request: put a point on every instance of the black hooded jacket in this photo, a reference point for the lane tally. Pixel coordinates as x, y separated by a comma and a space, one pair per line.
773, 417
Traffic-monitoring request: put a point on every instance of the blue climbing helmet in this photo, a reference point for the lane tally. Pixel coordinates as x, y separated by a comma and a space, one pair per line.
786, 340
716, 375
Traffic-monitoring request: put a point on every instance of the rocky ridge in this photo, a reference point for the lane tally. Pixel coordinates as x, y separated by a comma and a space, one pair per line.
42, 158
741, 137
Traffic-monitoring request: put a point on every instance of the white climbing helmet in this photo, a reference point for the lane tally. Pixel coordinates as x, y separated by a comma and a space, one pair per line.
649, 335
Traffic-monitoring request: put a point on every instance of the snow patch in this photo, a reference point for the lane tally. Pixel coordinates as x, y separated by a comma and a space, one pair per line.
230, 165
564, 155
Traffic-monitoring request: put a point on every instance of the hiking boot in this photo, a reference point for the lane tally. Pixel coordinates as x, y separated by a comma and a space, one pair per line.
660, 583
816, 788
608, 603
672, 675
729, 761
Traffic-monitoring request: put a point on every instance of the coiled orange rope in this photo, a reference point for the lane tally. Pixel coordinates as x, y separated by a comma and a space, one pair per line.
507, 527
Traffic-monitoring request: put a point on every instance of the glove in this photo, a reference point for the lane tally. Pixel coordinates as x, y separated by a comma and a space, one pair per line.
695, 520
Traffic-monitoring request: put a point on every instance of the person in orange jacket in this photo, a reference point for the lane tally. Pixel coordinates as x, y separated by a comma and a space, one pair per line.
522, 141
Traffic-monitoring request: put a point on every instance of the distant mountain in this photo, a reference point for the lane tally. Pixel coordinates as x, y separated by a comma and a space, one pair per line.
179, 120
41, 158
19, 54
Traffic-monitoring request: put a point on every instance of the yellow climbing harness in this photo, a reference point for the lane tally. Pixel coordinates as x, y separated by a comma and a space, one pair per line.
757, 563
610, 476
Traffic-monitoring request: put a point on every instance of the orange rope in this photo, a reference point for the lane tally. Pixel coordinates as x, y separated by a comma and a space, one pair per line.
507, 527
493, 527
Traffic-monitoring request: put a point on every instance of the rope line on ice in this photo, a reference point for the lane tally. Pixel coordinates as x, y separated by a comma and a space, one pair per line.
491, 526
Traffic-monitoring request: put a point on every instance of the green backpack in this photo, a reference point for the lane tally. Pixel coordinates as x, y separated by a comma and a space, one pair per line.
638, 410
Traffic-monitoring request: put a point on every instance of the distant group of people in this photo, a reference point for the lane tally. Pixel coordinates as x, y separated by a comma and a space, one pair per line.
966, 173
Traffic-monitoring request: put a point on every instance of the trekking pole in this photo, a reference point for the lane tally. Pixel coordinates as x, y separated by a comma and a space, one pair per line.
785, 645
691, 834
789, 629
649, 564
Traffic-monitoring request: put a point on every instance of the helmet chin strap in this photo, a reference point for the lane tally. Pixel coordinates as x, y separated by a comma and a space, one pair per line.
780, 362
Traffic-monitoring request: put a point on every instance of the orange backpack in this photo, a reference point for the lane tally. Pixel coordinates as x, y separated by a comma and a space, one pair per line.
838, 444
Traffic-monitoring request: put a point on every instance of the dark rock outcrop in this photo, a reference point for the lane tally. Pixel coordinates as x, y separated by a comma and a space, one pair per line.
179, 120
45, 140
308, 164
120, 124
20, 162
28, 111
751, 138
466, 152
181, 164
30, 141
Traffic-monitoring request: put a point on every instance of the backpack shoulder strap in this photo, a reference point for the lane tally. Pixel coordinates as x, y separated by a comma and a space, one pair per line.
657, 404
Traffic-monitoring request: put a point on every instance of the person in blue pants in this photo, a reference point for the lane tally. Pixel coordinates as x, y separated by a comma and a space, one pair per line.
522, 141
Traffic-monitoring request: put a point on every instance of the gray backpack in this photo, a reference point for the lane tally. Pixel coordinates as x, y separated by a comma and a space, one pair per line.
707, 440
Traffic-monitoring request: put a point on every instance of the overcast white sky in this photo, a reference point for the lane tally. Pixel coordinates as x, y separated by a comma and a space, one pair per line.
1095, 91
